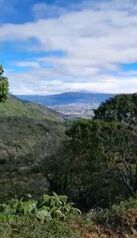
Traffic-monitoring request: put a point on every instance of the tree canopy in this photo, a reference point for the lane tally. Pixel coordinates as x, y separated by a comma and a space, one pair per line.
121, 108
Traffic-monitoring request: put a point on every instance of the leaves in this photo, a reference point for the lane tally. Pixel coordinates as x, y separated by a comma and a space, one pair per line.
4, 85
44, 209
121, 108
43, 215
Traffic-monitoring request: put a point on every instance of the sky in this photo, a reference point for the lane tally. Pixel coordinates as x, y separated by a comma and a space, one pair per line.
56, 46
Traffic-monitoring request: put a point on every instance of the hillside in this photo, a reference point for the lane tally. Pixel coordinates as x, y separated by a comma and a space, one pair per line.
31, 164
16, 107
29, 133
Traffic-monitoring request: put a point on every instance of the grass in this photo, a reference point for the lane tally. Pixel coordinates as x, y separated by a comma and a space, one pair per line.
24, 227
29, 228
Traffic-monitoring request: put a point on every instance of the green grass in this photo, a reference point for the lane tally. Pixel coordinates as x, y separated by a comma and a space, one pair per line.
29, 228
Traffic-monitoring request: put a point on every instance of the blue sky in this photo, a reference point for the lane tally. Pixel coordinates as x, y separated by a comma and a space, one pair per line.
54, 46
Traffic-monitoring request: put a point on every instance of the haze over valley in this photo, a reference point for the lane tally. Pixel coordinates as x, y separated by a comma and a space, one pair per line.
70, 104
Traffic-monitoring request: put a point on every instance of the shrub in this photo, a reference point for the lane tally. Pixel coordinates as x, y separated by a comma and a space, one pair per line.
45, 208
122, 216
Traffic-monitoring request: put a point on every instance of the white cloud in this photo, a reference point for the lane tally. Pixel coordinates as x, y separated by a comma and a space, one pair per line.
28, 64
48, 82
96, 39
44, 10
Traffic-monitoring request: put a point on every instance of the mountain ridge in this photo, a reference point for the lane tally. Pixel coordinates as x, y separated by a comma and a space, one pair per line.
70, 104
67, 98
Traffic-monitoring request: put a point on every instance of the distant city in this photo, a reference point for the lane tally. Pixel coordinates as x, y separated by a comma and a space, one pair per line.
70, 104
75, 110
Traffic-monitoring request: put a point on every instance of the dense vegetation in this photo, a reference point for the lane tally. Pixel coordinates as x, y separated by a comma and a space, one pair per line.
100, 166
4, 85
93, 163
28, 134
53, 217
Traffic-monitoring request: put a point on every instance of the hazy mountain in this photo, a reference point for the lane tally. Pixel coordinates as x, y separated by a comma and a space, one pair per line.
68, 98
71, 104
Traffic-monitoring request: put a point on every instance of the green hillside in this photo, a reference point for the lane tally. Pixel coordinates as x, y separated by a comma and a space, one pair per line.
15, 107
86, 165
29, 134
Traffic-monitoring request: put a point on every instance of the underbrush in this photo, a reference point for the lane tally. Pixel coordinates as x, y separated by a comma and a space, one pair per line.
30, 228
122, 217
46, 217
53, 217
44, 209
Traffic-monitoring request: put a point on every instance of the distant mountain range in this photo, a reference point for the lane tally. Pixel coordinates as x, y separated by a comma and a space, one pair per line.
71, 104
67, 98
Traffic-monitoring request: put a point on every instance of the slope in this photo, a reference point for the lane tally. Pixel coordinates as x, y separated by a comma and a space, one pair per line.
16, 107
28, 134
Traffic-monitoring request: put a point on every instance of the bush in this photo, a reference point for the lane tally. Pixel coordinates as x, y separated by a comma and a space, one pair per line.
47, 217
122, 216
44, 209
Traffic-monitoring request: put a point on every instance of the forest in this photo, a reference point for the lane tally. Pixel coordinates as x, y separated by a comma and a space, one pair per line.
67, 178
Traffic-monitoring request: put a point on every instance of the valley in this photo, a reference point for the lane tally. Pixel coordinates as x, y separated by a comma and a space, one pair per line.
68, 119
43, 153
71, 105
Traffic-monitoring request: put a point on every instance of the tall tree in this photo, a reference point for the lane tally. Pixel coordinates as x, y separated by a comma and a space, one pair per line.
82, 169
4, 85
118, 143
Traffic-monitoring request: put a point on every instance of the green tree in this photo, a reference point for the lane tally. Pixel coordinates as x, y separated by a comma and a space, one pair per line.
96, 145
119, 149
121, 108
120, 138
81, 169
3, 85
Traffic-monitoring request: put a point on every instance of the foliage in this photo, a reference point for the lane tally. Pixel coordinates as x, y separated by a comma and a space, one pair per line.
44, 209
83, 173
121, 217
44, 217
28, 134
118, 220
26, 227
95, 165
3, 86
106, 156
122, 108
